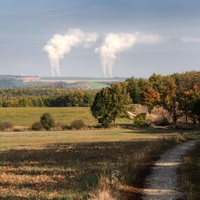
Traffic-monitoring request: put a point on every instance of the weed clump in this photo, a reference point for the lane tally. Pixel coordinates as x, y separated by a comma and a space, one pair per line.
6, 126
103, 192
37, 126
78, 124
60, 126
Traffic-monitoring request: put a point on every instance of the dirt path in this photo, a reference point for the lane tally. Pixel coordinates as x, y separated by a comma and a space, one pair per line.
162, 183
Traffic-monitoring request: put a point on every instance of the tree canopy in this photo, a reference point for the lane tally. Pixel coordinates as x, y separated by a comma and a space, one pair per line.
110, 103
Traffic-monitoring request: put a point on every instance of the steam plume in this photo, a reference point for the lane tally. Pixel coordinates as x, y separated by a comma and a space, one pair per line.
59, 45
115, 44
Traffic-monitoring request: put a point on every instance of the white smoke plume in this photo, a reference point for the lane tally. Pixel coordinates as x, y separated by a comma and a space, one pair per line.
59, 45
114, 44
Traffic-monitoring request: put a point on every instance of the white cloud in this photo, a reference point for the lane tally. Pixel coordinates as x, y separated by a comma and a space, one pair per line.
190, 39
150, 38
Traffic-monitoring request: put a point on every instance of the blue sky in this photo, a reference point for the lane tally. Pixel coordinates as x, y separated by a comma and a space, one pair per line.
27, 26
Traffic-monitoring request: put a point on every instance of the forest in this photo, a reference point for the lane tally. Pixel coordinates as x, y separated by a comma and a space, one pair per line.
179, 94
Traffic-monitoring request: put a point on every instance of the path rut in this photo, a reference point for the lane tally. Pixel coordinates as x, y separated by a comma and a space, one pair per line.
162, 183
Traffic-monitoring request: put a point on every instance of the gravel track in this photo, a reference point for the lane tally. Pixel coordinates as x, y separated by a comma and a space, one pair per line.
162, 183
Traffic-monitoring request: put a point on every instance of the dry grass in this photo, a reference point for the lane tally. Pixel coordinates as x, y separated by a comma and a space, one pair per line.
190, 174
64, 164
118, 183
34, 138
103, 192
58, 169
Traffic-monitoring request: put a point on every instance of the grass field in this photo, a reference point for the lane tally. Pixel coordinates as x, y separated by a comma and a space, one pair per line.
68, 164
27, 116
65, 164
32, 138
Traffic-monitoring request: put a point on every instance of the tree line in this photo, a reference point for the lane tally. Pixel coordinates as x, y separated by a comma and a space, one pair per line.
46, 97
178, 93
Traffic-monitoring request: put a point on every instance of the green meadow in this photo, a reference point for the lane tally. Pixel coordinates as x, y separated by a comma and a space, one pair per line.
27, 116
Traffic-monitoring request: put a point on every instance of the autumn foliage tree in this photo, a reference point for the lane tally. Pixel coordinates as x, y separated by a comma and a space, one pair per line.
150, 97
168, 97
161, 91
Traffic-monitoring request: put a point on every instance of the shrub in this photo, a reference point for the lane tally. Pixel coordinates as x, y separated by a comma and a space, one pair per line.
16, 130
6, 126
60, 126
140, 120
78, 124
163, 122
37, 126
47, 120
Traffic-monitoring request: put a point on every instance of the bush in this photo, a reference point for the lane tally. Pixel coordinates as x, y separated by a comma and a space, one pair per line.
78, 124
60, 126
163, 122
140, 120
16, 130
6, 126
37, 126
47, 121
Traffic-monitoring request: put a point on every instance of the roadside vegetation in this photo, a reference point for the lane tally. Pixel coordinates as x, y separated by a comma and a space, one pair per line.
190, 174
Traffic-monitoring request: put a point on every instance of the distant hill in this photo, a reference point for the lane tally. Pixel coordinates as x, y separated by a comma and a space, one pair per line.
9, 81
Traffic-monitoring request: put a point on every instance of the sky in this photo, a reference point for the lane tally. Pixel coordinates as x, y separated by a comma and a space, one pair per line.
99, 38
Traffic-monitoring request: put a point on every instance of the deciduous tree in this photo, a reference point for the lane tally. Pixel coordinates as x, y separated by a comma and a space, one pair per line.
196, 109
110, 102
150, 97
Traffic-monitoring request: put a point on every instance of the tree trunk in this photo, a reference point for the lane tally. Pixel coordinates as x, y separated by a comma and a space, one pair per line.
114, 121
194, 120
186, 117
174, 116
